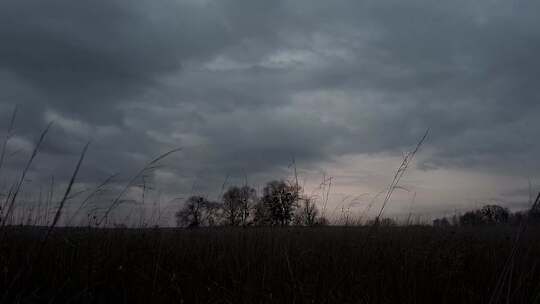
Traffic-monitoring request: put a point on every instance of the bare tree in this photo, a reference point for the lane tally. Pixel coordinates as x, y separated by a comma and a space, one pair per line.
261, 215
248, 201
489, 214
307, 214
278, 203
494, 214
198, 211
441, 222
238, 203
231, 206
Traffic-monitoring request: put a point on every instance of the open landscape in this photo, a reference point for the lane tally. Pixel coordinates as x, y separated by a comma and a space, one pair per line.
269, 151
277, 247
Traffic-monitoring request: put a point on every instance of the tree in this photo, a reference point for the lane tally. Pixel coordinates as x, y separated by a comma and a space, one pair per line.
278, 203
248, 201
261, 215
198, 211
212, 214
383, 222
494, 214
441, 222
470, 218
238, 203
487, 215
307, 214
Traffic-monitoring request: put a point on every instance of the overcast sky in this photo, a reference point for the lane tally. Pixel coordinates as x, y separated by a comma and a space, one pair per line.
243, 86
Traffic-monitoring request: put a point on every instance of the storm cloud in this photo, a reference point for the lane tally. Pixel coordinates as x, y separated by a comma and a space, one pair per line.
243, 86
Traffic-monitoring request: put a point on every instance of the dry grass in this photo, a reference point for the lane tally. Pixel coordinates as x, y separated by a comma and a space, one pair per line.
409, 264
263, 265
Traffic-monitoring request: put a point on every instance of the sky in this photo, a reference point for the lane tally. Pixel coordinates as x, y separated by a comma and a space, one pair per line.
243, 87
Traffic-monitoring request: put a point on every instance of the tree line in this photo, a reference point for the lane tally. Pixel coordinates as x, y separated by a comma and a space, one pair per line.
281, 203
490, 215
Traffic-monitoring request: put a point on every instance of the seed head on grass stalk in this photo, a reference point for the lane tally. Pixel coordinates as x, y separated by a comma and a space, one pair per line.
95, 192
370, 204
399, 174
148, 167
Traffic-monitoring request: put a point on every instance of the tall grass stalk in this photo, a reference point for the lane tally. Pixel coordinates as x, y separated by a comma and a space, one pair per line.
18, 186
90, 196
148, 167
507, 270
8, 136
399, 174
69, 187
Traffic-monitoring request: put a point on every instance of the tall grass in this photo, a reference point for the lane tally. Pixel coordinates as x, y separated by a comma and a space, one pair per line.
271, 265
399, 174
326, 264
14, 191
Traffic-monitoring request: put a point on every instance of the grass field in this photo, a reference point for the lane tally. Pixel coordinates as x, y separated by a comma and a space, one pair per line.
415, 264
485, 259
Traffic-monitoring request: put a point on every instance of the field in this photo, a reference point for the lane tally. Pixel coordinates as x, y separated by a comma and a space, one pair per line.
414, 264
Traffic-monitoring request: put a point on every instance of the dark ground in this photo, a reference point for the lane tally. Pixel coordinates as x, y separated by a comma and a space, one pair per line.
264, 265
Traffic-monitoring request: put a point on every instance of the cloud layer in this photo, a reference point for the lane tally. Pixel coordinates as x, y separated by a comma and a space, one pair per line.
243, 86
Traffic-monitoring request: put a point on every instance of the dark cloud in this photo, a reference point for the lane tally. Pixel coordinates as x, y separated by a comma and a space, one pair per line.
86, 58
244, 85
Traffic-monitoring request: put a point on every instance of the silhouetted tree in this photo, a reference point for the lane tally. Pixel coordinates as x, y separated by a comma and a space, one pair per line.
383, 222
454, 220
278, 203
238, 203
307, 214
471, 218
487, 215
261, 215
231, 206
249, 199
441, 222
213, 214
494, 214
198, 211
